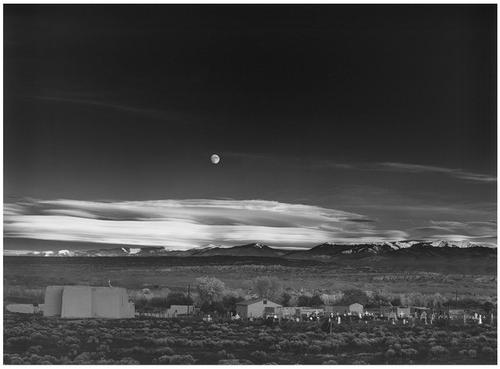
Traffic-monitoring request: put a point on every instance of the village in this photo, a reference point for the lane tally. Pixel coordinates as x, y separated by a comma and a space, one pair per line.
80, 302
81, 324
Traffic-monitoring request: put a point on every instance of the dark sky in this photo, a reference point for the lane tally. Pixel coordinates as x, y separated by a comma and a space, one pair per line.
377, 110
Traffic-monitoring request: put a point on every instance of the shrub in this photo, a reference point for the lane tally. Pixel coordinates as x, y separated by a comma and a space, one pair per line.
390, 353
176, 359
259, 356
229, 362
222, 354
438, 351
314, 349
83, 358
472, 353
330, 362
165, 351
358, 362
487, 350
409, 352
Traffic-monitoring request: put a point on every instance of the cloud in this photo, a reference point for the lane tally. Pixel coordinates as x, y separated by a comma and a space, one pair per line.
485, 232
153, 113
417, 168
382, 166
361, 220
183, 224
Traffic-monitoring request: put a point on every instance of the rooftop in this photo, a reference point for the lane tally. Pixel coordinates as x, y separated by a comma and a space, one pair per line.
252, 301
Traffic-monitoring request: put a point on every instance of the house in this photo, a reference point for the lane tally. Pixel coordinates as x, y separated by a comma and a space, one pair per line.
382, 311
403, 312
176, 310
257, 308
345, 309
88, 302
24, 308
287, 311
419, 312
386, 310
301, 310
392, 315
457, 313
53, 301
337, 309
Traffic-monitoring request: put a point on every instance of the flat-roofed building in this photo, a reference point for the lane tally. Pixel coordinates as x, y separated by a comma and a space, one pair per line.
403, 312
88, 302
344, 309
257, 308
53, 301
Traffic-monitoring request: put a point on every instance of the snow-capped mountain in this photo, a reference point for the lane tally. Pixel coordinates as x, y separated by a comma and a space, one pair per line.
327, 250
460, 244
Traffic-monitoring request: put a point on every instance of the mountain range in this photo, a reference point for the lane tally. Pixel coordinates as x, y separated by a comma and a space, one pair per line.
325, 251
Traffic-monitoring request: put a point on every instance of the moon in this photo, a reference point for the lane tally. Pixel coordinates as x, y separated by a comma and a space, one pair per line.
215, 159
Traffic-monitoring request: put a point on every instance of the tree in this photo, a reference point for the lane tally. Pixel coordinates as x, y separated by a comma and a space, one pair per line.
378, 299
315, 301
285, 299
178, 298
396, 301
266, 287
213, 307
353, 295
437, 300
229, 302
332, 299
210, 289
158, 302
303, 300
488, 307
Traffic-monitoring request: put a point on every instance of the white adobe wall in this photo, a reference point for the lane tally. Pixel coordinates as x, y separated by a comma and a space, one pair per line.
106, 302
88, 302
77, 302
53, 301
257, 309
127, 310
182, 309
111, 303
21, 308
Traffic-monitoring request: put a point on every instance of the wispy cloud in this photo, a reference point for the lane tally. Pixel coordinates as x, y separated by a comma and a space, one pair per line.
484, 232
153, 113
417, 168
182, 224
409, 168
395, 167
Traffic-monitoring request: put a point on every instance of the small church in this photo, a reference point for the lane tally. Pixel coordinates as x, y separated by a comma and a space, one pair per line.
73, 302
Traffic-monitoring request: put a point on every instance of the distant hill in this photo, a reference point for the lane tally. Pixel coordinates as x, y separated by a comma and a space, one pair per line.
396, 250
392, 249
252, 249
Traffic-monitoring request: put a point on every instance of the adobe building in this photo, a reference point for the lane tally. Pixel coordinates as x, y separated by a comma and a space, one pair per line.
257, 308
403, 311
53, 301
176, 310
88, 302
345, 309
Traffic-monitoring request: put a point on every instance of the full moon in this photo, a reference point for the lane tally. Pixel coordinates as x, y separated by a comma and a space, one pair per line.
215, 159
